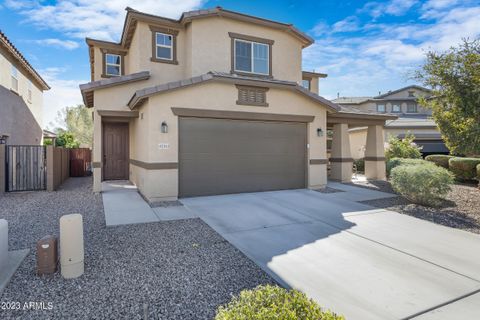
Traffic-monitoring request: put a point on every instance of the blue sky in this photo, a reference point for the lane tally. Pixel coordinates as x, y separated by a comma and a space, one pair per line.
364, 46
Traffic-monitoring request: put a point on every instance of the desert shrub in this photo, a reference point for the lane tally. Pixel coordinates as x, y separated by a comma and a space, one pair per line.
273, 302
395, 162
360, 163
464, 168
424, 184
439, 159
402, 148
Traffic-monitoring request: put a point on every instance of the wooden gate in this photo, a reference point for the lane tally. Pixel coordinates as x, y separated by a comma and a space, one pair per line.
25, 168
80, 161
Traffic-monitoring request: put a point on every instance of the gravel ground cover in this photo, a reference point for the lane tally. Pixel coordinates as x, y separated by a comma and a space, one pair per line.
328, 190
460, 209
166, 270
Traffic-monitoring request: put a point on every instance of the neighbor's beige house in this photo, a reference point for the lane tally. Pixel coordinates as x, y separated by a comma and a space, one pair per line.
21, 97
412, 118
216, 102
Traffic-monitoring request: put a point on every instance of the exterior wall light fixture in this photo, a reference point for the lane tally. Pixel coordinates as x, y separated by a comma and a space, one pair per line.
164, 127
319, 132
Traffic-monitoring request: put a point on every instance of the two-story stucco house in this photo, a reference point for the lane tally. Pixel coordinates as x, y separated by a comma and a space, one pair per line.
412, 118
212, 103
21, 97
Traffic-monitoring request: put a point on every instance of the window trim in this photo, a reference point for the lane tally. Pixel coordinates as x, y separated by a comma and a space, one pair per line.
169, 32
251, 39
415, 106
104, 62
399, 108
13, 68
384, 108
309, 80
29, 91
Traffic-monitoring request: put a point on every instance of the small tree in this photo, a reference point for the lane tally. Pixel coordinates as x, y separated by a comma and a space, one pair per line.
67, 140
454, 77
78, 121
402, 148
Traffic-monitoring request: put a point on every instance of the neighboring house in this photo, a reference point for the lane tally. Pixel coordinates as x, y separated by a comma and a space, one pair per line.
21, 97
213, 103
411, 118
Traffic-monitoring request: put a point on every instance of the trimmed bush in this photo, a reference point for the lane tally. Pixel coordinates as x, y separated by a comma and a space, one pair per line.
402, 148
421, 183
464, 168
439, 159
360, 163
273, 302
395, 162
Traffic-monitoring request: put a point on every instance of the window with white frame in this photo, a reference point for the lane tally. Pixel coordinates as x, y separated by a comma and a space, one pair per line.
164, 46
252, 57
380, 108
14, 79
29, 91
113, 64
396, 108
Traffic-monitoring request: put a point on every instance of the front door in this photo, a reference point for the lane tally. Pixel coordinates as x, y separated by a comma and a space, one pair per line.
115, 151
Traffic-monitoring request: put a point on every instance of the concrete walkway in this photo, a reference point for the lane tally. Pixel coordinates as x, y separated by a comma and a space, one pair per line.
360, 261
123, 204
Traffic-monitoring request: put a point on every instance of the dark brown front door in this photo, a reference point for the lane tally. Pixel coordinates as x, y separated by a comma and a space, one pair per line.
115, 151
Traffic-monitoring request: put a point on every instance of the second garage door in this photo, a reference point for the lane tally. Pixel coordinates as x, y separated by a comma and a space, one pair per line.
218, 156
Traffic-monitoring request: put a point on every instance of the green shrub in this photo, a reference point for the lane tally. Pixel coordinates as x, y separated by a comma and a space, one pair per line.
439, 159
421, 183
360, 164
395, 162
404, 148
478, 173
464, 168
273, 302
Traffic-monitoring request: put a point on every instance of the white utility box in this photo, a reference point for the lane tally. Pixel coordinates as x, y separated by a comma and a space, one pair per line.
71, 246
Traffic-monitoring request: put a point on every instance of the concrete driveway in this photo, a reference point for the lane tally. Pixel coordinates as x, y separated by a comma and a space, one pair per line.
362, 262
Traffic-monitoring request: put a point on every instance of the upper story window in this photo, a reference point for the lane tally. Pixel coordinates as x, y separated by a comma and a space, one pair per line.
412, 108
380, 108
164, 45
411, 93
306, 84
14, 79
251, 55
396, 108
29, 91
113, 65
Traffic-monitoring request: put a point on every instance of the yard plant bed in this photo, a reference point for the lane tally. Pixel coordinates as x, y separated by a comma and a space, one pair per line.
460, 209
169, 270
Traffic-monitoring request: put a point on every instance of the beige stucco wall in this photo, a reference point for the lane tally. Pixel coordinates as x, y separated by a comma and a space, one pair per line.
145, 135
36, 103
204, 45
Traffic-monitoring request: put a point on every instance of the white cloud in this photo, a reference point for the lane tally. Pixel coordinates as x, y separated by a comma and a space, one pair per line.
64, 44
94, 18
346, 25
392, 7
381, 56
63, 93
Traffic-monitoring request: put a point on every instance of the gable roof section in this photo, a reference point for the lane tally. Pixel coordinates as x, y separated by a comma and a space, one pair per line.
133, 16
142, 95
87, 89
402, 89
351, 100
5, 43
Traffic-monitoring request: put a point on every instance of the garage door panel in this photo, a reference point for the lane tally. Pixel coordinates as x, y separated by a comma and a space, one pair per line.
232, 156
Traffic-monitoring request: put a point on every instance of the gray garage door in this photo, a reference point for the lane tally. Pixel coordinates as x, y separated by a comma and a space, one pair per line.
218, 156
